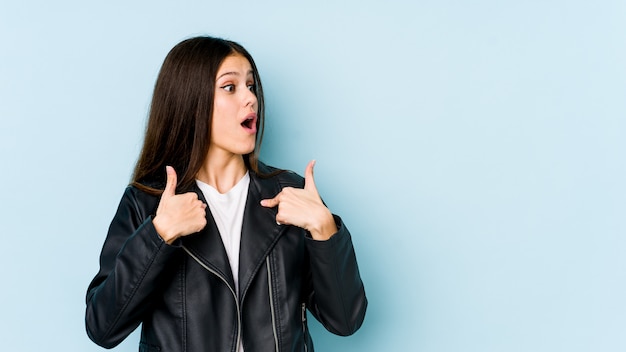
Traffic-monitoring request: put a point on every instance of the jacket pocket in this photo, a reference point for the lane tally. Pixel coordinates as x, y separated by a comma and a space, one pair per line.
144, 347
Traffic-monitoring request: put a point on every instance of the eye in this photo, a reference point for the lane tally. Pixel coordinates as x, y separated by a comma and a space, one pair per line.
229, 87
252, 87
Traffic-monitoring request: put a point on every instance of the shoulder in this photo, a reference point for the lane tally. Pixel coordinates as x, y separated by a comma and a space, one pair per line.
286, 178
141, 201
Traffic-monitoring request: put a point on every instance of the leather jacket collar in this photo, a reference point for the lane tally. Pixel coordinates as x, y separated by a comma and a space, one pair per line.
259, 233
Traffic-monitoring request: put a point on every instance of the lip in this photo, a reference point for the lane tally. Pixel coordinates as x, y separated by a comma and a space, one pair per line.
253, 117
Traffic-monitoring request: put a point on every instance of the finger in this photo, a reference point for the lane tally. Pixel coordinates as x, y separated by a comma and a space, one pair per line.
280, 219
270, 203
170, 185
309, 181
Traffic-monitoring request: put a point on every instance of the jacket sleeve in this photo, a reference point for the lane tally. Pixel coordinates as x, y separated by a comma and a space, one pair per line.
336, 296
133, 261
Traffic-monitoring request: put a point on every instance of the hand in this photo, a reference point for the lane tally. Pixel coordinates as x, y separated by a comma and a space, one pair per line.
304, 208
178, 215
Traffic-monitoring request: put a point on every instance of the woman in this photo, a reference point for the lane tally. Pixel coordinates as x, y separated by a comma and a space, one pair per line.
210, 249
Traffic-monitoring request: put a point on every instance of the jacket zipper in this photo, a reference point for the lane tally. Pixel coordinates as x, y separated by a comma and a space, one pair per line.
304, 326
231, 290
271, 293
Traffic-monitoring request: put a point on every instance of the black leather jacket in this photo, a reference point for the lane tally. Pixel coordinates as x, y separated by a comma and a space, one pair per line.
184, 294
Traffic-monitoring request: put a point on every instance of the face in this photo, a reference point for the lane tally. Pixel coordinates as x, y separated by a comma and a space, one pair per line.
233, 128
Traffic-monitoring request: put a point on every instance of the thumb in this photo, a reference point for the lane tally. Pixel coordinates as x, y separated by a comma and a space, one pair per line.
170, 185
309, 182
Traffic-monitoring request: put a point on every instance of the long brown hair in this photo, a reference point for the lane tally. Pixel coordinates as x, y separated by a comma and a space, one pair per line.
179, 125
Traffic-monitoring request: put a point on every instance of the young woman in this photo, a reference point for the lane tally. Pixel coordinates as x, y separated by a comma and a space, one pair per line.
210, 249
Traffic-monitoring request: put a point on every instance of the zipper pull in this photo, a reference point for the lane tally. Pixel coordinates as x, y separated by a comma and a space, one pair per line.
303, 312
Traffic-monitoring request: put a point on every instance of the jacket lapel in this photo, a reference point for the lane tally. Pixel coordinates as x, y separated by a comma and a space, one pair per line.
259, 231
208, 247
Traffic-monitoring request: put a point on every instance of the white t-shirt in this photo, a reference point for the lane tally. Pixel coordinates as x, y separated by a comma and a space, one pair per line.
227, 210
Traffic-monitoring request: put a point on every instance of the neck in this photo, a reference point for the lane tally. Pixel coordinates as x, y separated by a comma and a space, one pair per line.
222, 172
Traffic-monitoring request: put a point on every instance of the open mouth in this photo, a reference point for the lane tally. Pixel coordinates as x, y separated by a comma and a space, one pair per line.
249, 123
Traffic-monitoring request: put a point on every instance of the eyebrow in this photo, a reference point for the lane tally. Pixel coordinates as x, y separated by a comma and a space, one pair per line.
233, 73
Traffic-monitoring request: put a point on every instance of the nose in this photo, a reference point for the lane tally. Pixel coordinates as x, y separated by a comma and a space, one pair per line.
250, 99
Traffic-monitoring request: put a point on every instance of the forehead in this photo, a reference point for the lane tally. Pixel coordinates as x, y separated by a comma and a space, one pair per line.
235, 65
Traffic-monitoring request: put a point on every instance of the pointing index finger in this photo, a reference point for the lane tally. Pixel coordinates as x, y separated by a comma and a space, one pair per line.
270, 203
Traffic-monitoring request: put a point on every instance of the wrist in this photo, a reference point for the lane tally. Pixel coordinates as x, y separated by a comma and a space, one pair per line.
325, 228
162, 230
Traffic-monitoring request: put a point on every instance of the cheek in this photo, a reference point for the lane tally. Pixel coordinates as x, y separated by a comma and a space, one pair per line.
220, 114
224, 109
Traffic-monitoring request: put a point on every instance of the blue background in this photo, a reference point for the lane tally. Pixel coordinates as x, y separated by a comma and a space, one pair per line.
474, 148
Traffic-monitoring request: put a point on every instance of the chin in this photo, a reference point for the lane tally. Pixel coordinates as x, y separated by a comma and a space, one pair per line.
246, 151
